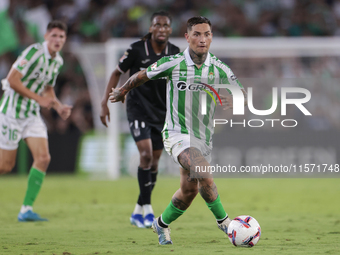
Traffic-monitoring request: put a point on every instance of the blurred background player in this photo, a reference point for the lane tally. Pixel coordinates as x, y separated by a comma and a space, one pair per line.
146, 108
187, 133
28, 86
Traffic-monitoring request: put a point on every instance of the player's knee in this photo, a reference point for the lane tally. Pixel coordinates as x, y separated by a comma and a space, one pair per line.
146, 157
6, 168
43, 159
206, 181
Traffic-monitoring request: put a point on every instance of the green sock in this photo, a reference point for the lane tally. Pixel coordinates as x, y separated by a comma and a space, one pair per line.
171, 213
217, 209
35, 179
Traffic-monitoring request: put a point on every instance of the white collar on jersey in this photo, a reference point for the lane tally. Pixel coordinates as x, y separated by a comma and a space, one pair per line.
47, 53
189, 60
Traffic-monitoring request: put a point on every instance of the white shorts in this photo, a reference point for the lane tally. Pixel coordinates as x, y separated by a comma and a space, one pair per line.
13, 130
177, 143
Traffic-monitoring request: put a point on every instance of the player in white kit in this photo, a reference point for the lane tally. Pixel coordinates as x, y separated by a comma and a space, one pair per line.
187, 133
28, 86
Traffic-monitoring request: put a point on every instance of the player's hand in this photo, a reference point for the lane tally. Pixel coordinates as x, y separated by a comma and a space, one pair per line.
46, 102
227, 102
104, 111
116, 95
64, 111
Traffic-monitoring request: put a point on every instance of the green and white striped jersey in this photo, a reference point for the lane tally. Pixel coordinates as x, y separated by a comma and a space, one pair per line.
184, 89
38, 70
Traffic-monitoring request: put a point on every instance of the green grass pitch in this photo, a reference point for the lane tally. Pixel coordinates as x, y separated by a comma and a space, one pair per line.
297, 216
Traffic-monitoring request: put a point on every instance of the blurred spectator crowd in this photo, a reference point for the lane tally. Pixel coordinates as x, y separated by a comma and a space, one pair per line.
98, 20
24, 22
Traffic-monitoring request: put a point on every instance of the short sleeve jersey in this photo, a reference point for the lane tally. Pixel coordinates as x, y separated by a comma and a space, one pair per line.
183, 95
146, 102
38, 70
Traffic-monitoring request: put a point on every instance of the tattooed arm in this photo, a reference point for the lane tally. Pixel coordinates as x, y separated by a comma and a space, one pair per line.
135, 80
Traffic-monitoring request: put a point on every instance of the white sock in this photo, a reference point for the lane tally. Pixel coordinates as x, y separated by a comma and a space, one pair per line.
147, 209
138, 209
25, 208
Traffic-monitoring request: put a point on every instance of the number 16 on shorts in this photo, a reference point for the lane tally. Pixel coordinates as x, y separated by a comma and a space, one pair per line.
11, 133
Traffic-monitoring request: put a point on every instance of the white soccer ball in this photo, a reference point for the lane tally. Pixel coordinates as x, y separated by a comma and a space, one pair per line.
244, 231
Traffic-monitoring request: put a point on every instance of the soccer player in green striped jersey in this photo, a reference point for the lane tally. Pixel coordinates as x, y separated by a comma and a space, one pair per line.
187, 133
28, 86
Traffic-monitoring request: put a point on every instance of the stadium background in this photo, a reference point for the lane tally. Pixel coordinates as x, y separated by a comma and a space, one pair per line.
24, 22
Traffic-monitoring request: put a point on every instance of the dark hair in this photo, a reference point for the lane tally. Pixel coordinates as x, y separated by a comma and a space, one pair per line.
197, 20
155, 14
57, 24
161, 13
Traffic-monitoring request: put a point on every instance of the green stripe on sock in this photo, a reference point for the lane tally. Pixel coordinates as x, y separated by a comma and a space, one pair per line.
217, 209
35, 180
171, 213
